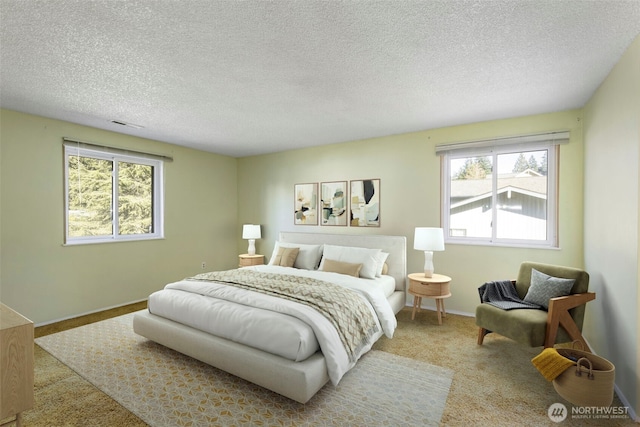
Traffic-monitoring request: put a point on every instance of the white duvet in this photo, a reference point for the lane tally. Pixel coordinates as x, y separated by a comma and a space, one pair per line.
286, 328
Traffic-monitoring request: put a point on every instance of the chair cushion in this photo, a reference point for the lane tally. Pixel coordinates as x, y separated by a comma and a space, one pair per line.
526, 326
544, 287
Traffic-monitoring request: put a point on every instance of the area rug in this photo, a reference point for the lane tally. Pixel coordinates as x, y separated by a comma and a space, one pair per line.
165, 388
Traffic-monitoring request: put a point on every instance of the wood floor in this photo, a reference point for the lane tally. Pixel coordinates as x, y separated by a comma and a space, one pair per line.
63, 325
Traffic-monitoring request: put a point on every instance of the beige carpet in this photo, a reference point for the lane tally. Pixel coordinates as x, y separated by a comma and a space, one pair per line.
494, 384
165, 388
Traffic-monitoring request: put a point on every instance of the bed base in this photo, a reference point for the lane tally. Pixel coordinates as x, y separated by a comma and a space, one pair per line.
296, 380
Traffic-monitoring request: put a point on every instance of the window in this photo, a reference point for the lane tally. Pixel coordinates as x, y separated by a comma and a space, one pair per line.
111, 195
501, 192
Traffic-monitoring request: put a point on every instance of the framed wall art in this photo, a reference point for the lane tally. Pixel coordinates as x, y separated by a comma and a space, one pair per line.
334, 203
306, 204
365, 203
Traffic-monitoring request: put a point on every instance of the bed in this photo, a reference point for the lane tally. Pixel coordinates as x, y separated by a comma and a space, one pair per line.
269, 364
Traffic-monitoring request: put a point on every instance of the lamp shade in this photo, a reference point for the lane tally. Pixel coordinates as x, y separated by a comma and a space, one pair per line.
428, 239
251, 231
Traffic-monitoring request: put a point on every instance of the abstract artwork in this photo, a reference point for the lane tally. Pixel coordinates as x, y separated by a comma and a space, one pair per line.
306, 204
365, 203
333, 202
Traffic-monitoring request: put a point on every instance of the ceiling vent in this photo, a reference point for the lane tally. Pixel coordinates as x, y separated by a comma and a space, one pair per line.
131, 125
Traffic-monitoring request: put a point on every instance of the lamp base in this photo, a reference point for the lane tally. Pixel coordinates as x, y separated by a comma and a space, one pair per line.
428, 264
252, 247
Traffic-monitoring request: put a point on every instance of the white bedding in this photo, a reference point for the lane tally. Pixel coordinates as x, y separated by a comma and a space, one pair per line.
281, 327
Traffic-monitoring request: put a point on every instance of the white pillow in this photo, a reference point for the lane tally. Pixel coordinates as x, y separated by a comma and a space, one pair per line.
369, 258
308, 257
382, 258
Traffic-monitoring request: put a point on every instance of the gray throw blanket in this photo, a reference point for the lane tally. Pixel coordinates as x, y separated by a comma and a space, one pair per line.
503, 294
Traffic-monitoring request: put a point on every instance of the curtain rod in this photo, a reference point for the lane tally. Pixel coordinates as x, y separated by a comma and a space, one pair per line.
116, 150
554, 138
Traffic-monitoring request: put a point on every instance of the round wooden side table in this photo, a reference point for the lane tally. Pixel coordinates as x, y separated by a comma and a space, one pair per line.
436, 287
247, 260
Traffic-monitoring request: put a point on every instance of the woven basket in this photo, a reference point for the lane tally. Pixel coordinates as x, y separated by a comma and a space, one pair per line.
589, 383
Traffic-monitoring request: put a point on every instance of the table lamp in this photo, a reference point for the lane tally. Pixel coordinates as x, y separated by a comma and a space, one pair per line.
428, 239
251, 232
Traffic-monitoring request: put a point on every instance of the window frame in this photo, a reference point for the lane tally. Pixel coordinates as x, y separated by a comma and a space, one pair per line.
115, 157
553, 156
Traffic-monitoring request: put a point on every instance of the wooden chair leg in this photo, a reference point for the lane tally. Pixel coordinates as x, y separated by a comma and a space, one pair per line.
481, 333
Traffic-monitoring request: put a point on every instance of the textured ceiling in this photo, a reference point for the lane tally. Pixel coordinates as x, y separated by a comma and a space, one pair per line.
251, 77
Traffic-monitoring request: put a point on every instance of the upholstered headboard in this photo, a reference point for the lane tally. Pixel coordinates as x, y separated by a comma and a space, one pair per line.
395, 246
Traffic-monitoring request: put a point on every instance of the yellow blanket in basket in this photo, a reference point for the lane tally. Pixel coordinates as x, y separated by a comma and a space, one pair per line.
550, 363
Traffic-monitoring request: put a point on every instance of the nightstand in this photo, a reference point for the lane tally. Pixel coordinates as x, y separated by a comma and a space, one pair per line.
436, 287
247, 260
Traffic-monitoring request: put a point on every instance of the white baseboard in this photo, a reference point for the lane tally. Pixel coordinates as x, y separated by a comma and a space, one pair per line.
632, 414
88, 312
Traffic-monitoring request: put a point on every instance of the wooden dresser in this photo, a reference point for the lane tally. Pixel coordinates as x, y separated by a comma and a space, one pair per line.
16, 365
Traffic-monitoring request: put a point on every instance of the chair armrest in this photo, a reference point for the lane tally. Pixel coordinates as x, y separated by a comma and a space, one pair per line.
570, 301
559, 315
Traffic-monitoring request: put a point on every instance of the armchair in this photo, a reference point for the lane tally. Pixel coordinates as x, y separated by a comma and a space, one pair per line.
561, 323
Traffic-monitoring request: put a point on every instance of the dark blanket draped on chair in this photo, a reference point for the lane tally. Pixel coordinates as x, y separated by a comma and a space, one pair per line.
503, 294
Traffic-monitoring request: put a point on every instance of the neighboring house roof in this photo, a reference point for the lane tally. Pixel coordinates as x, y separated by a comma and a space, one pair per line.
501, 190
528, 173
473, 188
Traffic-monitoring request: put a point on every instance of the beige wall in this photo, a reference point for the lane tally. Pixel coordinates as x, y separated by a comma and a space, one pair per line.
410, 196
612, 198
46, 281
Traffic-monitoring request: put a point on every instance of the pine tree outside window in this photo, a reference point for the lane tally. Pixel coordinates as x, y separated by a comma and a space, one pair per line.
111, 197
